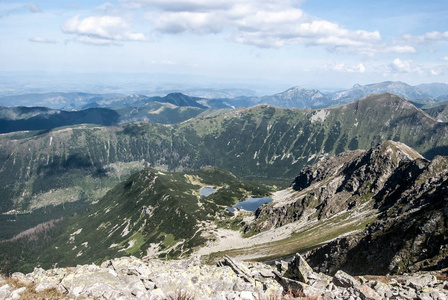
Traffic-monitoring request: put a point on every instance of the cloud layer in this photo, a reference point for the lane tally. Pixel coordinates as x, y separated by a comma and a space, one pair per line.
101, 30
265, 24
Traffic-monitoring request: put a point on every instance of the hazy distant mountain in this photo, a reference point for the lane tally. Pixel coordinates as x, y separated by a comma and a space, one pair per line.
359, 91
38, 118
65, 101
216, 93
297, 97
435, 90
178, 99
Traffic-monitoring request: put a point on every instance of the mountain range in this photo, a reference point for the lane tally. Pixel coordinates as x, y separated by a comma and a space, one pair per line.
295, 97
123, 177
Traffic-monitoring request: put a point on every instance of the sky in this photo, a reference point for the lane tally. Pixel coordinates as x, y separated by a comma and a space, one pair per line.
322, 44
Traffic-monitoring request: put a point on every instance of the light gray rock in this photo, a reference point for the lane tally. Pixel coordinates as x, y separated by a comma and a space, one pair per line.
366, 293
157, 294
247, 295
16, 293
91, 280
5, 291
135, 286
342, 279
298, 269
420, 281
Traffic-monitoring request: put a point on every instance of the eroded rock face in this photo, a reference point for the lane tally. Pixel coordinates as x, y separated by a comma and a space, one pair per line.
406, 194
410, 234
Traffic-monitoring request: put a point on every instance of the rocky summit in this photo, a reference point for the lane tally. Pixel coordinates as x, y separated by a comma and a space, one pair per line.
132, 278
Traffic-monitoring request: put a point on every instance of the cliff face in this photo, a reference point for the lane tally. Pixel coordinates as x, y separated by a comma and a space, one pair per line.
410, 234
406, 194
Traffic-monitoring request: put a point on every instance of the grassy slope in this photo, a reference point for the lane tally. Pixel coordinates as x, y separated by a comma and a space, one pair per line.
149, 209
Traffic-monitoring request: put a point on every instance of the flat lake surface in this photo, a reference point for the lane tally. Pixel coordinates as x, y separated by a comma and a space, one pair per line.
251, 204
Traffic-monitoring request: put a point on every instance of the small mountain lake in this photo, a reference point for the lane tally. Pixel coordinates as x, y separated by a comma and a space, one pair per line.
207, 191
250, 204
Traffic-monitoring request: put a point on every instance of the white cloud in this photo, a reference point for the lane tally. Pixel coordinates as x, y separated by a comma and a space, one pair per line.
41, 40
195, 22
33, 7
182, 5
265, 24
404, 66
163, 62
400, 49
344, 68
428, 37
439, 70
103, 30
105, 7
445, 58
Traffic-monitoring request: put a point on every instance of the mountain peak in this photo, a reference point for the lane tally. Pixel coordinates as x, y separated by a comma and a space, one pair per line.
397, 150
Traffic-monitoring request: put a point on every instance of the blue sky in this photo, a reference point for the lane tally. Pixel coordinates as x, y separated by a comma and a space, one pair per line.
315, 44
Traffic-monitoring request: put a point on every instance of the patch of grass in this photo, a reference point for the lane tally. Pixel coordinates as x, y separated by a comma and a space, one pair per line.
302, 241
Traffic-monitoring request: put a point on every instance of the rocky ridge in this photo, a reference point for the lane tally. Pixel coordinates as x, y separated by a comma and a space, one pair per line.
132, 278
401, 197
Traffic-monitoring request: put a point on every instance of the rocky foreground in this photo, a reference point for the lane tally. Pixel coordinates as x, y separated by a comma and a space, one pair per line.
132, 278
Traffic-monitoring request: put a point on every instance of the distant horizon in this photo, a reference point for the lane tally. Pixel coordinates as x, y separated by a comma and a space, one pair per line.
319, 44
24, 82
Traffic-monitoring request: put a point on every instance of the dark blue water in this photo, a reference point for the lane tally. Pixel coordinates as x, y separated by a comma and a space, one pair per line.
251, 204
207, 191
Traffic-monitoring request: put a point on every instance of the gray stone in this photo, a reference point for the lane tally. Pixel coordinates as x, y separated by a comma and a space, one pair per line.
157, 294
342, 279
5, 291
298, 269
366, 293
418, 282
267, 273
135, 286
424, 296
246, 295
93, 281
16, 293
242, 286
22, 278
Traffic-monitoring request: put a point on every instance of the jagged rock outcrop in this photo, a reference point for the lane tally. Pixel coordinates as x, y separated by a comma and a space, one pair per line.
338, 183
406, 194
307, 283
410, 234
132, 278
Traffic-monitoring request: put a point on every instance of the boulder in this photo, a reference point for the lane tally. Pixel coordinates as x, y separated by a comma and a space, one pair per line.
342, 279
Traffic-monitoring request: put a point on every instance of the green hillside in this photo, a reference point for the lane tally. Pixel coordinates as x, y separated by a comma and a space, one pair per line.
83, 162
154, 210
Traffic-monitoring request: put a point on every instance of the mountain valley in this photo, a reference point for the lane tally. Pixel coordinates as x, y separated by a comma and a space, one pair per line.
370, 178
